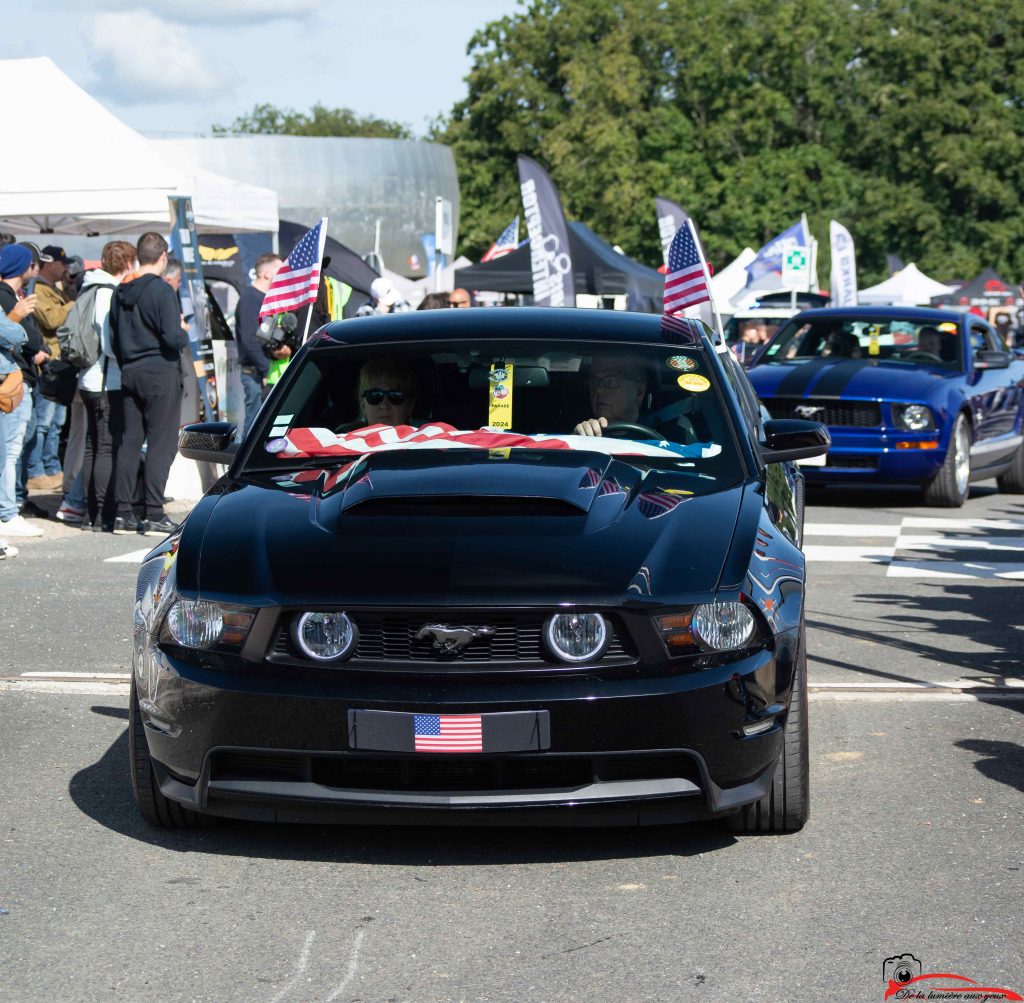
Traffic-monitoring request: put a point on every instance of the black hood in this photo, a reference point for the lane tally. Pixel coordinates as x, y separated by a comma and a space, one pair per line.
129, 293
465, 527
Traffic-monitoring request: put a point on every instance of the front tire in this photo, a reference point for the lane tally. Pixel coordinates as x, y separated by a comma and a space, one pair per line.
786, 807
153, 806
950, 487
1012, 482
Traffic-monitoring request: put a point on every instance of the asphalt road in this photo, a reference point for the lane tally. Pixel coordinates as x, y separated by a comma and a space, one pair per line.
914, 845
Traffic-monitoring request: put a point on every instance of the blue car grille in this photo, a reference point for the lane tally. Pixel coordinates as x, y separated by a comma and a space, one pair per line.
848, 414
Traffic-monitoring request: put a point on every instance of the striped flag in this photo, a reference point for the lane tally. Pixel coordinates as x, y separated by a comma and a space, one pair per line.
507, 242
448, 733
686, 280
298, 279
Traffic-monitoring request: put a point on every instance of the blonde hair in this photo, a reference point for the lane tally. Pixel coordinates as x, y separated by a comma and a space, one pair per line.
396, 374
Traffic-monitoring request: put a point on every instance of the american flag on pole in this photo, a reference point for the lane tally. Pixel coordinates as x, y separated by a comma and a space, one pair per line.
508, 241
448, 733
298, 279
686, 280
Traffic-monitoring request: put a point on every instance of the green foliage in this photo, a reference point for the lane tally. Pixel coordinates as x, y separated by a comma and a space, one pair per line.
903, 121
267, 120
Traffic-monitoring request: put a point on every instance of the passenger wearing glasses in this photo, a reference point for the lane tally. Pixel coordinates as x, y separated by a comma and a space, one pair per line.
617, 389
386, 394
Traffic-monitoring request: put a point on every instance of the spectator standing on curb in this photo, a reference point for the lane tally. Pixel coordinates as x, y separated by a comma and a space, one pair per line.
148, 337
15, 265
251, 358
100, 388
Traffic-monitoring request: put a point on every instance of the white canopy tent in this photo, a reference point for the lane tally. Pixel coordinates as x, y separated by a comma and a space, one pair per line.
908, 287
109, 179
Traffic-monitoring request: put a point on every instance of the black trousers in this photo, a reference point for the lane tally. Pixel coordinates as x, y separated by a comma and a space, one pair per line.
152, 412
104, 433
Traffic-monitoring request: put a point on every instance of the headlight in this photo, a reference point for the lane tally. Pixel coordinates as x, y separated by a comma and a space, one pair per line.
914, 417
325, 637
723, 626
197, 623
576, 637
719, 626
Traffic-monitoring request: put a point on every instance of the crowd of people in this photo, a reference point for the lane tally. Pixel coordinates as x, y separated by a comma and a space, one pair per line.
123, 325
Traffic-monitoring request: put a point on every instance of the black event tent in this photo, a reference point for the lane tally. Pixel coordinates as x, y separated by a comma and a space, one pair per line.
987, 290
597, 269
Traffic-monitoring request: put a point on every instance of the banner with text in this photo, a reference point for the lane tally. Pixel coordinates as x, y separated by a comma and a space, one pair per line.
843, 286
671, 216
550, 257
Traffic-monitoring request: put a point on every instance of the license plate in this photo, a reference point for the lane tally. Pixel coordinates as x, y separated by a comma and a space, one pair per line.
436, 731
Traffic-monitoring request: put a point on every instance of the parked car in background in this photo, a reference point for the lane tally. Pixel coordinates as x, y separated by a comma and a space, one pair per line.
477, 613
910, 396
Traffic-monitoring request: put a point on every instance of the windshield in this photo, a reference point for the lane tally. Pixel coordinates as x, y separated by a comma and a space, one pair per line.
884, 339
656, 406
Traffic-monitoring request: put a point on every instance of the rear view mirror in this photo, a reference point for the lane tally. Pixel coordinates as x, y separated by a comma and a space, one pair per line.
523, 376
788, 439
208, 441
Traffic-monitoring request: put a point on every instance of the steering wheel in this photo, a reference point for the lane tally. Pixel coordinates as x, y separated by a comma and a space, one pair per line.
927, 356
630, 430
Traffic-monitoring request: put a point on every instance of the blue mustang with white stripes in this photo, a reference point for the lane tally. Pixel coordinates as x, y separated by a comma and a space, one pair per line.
913, 396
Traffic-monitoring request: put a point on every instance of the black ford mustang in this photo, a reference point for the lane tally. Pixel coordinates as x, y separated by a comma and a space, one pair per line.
420, 594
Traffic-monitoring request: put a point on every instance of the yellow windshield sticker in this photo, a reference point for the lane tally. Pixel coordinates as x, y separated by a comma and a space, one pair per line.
499, 405
873, 340
498, 454
691, 381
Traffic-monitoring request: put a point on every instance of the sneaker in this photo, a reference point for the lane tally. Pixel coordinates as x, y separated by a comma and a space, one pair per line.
69, 514
122, 526
20, 526
45, 483
157, 527
6, 550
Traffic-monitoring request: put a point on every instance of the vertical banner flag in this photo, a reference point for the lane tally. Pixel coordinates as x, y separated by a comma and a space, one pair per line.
298, 279
766, 269
550, 257
671, 216
844, 266
507, 241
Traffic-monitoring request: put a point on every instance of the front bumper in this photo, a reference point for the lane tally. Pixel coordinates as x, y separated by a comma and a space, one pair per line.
872, 456
271, 744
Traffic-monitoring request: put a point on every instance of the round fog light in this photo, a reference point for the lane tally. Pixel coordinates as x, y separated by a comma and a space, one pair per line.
325, 637
723, 626
577, 637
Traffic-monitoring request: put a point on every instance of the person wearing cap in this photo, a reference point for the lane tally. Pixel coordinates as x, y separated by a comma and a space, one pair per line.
53, 306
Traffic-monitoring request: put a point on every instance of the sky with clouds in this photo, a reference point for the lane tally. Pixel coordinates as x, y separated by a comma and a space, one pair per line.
176, 68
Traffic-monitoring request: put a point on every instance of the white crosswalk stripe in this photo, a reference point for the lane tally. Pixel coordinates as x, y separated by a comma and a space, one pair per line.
924, 547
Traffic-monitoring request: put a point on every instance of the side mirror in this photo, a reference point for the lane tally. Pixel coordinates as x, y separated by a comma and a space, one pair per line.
990, 359
208, 441
789, 439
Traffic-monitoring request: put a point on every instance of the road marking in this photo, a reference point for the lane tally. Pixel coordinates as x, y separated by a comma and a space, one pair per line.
132, 557
961, 542
954, 569
76, 675
859, 554
924, 522
353, 964
858, 530
303, 961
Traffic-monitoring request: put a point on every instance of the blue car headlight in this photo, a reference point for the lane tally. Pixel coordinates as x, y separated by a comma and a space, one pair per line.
914, 417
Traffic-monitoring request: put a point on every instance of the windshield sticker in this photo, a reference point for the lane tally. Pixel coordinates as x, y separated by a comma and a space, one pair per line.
948, 327
499, 406
681, 362
691, 381
498, 454
873, 334
276, 445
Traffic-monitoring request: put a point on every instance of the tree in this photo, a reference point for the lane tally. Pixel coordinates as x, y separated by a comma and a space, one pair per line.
901, 120
267, 120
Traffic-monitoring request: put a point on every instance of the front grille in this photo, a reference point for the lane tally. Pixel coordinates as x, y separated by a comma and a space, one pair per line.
848, 414
448, 773
391, 637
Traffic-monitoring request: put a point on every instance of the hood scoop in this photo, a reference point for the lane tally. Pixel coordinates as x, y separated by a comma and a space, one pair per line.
476, 482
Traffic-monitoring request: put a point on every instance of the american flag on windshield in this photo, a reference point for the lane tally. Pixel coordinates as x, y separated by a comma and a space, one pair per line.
298, 279
686, 280
508, 241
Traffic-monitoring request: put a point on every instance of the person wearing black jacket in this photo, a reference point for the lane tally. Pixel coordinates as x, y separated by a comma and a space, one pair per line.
251, 357
148, 337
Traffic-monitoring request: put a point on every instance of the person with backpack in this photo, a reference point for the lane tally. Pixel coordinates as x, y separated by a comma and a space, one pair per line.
86, 342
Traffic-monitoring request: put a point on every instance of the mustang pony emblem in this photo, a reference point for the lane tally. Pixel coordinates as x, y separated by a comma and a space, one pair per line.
449, 640
807, 411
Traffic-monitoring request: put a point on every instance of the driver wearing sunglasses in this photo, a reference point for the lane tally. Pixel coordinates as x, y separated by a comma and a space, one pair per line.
617, 388
387, 392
